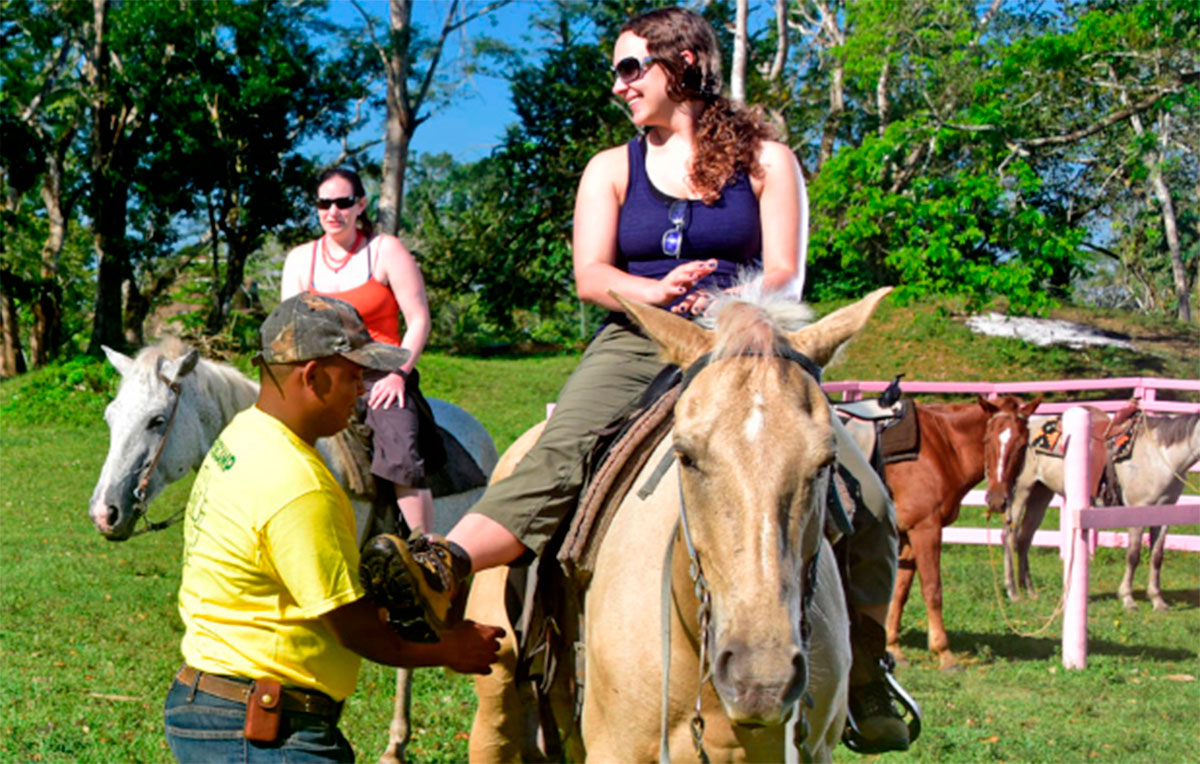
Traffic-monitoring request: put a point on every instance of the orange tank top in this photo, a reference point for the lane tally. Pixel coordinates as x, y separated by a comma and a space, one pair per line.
373, 300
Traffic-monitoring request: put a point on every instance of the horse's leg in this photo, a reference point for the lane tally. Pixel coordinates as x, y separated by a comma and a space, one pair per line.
505, 724
1133, 557
399, 730
1158, 544
927, 548
905, 569
1035, 512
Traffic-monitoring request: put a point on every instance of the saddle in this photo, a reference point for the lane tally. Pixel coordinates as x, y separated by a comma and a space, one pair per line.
1110, 441
885, 434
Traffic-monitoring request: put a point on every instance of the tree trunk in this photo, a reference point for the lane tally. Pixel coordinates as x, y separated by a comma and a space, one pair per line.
12, 360
737, 71
235, 271
46, 337
398, 132
108, 196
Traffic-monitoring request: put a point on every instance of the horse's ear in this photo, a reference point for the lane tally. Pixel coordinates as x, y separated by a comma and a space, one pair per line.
821, 340
121, 362
989, 407
1028, 409
181, 367
681, 340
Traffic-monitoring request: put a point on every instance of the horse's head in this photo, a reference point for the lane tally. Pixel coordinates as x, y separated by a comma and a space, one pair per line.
1006, 436
153, 389
754, 442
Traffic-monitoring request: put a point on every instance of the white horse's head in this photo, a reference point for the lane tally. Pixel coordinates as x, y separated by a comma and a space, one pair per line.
754, 441
159, 412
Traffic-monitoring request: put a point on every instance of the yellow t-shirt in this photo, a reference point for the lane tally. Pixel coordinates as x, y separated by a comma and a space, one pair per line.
268, 548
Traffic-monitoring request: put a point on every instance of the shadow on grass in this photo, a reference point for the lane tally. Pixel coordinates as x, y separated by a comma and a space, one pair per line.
1014, 647
1178, 599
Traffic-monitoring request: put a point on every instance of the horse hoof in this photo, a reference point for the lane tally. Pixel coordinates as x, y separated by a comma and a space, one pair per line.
948, 664
898, 657
1161, 606
1130, 605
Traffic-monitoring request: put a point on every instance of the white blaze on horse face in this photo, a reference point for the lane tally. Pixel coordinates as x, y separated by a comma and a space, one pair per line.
754, 422
1004, 437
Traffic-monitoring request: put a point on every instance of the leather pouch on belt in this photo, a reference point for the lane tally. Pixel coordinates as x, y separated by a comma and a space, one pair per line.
264, 711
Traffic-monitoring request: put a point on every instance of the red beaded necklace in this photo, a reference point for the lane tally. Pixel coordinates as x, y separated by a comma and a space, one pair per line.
335, 264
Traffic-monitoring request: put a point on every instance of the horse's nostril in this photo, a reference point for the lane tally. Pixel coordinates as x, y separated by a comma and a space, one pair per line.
799, 682
721, 664
113, 514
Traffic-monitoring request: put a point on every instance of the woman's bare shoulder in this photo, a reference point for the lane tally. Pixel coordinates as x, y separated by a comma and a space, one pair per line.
612, 162
773, 154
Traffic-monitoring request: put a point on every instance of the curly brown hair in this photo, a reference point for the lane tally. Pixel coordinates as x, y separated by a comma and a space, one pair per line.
728, 137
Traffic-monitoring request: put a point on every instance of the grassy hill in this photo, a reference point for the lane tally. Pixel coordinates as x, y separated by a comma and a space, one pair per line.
929, 341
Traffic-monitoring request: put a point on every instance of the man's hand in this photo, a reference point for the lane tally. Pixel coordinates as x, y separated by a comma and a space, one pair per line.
471, 648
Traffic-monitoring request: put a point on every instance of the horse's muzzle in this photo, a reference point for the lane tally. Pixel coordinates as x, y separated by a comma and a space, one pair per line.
758, 689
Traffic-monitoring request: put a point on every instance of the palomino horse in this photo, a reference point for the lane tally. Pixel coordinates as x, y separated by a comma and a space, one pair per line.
757, 639
928, 493
1164, 448
170, 408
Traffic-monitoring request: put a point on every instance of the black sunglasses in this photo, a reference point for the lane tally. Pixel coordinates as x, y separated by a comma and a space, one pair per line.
632, 68
672, 240
342, 202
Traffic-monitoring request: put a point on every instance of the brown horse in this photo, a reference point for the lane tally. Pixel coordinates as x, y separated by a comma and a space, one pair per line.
928, 493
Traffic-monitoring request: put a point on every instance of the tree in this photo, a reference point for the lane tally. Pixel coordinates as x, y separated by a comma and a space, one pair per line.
500, 228
41, 116
409, 90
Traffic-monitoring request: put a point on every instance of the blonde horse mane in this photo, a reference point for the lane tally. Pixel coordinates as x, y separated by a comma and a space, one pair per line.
751, 321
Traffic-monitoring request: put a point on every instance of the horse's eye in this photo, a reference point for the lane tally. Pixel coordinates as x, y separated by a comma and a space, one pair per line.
156, 422
685, 459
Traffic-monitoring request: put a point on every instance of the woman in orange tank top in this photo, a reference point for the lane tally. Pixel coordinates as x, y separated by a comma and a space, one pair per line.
380, 278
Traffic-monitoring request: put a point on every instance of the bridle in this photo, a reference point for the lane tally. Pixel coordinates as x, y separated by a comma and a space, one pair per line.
139, 492
1000, 480
704, 597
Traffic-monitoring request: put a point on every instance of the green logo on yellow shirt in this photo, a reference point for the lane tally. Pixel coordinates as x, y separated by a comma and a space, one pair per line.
221, 455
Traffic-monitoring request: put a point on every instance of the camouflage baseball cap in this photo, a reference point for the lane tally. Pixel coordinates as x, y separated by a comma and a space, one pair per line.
308, 326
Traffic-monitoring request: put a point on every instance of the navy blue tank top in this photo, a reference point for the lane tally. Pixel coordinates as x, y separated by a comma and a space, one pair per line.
728, 230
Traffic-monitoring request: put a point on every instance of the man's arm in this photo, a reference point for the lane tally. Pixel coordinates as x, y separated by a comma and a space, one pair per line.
468, 648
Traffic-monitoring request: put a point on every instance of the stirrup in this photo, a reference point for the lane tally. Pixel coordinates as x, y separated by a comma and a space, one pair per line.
910, 714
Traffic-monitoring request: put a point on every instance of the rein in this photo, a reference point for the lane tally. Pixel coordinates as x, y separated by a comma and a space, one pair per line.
704, 597
139, 493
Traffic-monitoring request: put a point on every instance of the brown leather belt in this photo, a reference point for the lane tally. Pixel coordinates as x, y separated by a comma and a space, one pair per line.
238, 690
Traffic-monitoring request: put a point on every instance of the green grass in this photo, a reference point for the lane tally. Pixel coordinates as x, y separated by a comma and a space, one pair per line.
89, 633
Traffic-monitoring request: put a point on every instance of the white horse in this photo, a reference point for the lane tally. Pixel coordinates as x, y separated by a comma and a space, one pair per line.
169, 409
1164, 449
734, 644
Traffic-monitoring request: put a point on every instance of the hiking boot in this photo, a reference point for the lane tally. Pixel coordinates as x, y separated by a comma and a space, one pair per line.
421, 583
874, 725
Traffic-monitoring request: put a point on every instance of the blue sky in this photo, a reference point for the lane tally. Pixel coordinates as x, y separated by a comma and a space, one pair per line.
473, 124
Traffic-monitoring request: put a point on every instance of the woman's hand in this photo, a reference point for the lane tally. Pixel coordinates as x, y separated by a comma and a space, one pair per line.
682, 279
386, 391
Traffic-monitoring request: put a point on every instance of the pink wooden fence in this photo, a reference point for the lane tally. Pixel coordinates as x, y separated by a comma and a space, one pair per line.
1078, 521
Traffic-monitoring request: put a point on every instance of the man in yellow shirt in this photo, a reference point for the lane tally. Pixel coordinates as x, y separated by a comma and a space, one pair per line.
276, 621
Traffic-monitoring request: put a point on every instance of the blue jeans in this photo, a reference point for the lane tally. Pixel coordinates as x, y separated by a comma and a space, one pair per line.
205, 729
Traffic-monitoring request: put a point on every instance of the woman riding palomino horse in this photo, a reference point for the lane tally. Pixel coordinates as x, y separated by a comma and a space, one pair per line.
378, 276
703, 193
